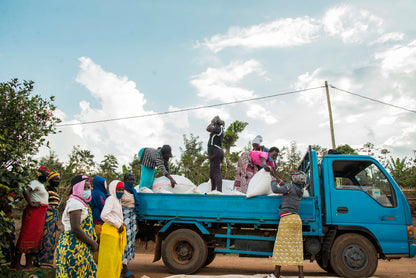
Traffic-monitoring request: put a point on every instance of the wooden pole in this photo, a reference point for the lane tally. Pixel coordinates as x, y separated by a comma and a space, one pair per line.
331, 123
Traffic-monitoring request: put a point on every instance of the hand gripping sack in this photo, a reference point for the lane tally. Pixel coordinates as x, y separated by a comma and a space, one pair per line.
260, 184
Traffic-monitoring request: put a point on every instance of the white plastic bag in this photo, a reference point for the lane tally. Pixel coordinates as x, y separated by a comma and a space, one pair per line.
204, 187
260, 184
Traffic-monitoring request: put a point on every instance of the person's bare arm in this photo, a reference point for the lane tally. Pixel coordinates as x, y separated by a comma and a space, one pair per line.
27, 198
75, 219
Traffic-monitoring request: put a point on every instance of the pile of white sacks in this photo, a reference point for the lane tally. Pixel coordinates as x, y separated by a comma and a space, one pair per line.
259, 186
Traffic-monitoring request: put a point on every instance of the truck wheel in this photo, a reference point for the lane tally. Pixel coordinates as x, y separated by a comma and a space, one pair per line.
210, 257
184, 251
353, 255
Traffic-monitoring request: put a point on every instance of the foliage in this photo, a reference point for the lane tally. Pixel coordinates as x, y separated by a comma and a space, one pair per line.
25, 121
193, 162
288, 159
231, 136
134, 168
346, 149
108, 168
402, 172
81, 161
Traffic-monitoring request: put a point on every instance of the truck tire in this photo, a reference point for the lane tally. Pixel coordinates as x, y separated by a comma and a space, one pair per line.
210, 257
353, 255
184, 251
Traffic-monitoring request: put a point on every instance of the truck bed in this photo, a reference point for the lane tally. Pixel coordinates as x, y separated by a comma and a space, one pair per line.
235, 209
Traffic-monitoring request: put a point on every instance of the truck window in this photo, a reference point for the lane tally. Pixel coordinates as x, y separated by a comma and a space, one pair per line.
364, 176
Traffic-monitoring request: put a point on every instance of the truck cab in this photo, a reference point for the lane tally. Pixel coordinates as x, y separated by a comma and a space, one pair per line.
365, 215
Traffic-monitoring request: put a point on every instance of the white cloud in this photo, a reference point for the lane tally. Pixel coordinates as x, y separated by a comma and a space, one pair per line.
280, 33
118, 97
221, 83
395, 36
351, 24
398, 59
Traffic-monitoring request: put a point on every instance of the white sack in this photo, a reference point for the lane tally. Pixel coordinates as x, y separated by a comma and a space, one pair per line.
227, 187
183, 184
204, 187
260, 184
143, 190
214, 192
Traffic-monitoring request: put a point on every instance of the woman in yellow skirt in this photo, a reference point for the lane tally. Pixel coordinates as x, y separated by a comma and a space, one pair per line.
113, 234
288, 247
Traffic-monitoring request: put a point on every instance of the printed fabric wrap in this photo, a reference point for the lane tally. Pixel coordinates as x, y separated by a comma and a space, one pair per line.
244, 172
50, 231
129, 218
288, 247
112, 244
74, 258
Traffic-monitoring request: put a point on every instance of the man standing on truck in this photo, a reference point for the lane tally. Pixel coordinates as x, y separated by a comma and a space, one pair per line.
149, 159
288, 247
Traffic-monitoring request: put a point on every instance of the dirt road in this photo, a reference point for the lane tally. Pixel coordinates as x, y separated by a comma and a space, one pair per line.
232, 264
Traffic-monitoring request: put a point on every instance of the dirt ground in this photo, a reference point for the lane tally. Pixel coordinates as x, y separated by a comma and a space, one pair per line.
232, 264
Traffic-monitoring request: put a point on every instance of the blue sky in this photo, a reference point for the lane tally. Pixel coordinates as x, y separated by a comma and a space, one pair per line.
108, 59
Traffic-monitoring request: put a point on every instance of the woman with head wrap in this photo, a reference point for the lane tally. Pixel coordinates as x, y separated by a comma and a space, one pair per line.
256, 144
98, 196
46, 255
288, 247
113, 235
215, 152
249, 164
130, 205
33, 220
74, 253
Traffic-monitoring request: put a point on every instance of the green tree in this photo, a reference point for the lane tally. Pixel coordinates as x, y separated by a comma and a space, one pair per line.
193, 162
231, 136
134, 167
108, 168
346, 149
81, 161
25, 121
289, 159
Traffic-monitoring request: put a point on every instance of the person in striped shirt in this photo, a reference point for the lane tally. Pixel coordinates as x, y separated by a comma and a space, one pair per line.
149, 158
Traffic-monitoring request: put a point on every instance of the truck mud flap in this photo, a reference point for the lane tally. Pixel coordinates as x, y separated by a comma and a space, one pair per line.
158, 248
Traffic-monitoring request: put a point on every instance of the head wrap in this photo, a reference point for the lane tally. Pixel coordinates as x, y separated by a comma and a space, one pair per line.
52, 175
119, 185
43, 169
78, 183
257, 140
98, 196
298, 177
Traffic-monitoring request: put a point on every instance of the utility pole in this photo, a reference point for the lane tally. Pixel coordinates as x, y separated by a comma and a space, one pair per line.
331, 123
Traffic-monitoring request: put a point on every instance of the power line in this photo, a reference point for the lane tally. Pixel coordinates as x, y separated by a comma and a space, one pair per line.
190, 109
372, 99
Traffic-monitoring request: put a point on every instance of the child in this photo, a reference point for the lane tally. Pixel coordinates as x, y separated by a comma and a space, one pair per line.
113, 233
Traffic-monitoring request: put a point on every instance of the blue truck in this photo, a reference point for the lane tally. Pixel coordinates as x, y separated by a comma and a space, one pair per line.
355, 214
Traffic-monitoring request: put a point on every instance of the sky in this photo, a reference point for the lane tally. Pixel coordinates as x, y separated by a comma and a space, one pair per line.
114, 59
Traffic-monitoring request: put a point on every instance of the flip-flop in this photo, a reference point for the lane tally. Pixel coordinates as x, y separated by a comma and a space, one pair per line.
129, 274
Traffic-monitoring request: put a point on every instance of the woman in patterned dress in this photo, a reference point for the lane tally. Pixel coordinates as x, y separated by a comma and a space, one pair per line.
74, 254
288, 247
46, 254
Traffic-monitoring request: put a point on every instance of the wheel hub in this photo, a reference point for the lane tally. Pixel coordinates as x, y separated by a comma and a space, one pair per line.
184, 251
355, 257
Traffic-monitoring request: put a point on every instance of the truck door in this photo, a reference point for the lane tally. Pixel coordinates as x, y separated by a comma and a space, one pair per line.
363, 197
